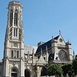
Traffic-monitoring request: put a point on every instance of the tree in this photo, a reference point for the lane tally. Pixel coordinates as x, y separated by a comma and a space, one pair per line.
74, 64
54, 69
67, 69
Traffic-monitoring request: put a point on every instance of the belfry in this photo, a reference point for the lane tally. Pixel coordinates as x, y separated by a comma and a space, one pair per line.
14, 40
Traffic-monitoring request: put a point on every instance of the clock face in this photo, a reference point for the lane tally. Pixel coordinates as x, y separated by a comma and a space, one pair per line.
62, 55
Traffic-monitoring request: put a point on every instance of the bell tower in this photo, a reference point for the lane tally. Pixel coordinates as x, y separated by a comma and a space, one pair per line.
14, 37
14, 40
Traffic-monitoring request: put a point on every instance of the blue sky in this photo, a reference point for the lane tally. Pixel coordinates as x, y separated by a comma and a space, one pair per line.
43, 19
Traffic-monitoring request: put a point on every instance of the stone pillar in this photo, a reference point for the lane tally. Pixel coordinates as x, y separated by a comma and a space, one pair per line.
69, 51
38, 71
21, 74
21, 68
5, 71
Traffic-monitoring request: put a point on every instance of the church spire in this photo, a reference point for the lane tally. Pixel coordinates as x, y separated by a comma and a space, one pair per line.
33, 52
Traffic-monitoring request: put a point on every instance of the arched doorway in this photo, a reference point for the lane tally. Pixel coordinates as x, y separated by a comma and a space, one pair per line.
14, 72
27, 73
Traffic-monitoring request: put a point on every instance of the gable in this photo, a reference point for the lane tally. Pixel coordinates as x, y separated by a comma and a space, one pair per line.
61, 40
41, 60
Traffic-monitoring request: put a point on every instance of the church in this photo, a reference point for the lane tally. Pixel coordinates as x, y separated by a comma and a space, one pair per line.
22, 60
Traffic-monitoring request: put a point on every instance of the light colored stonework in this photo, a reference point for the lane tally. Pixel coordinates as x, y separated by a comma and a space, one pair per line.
21, 60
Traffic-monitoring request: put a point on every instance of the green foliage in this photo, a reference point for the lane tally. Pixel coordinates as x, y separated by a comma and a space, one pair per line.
67, 69
57, 69
75, 65
54, 69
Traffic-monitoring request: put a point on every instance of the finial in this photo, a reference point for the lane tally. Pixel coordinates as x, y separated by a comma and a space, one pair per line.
33, 51
68, 40
46, 48
73, 52
28, 55
59, 32
52, 37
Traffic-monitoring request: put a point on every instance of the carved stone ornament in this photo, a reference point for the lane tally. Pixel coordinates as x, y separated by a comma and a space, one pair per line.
14, 64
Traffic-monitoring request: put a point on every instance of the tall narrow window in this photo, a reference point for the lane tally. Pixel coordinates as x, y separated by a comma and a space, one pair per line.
11, 17
12, 54
16, 17
17, 54
20, 33
14, 31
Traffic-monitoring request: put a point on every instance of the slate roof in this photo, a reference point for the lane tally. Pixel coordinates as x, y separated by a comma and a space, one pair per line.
43, 46
29, 49
56, 37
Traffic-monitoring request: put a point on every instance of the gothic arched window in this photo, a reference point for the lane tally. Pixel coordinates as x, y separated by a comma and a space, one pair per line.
11, 17
16, 17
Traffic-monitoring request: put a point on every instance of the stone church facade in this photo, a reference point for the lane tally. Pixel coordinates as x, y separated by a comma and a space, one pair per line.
20, 60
